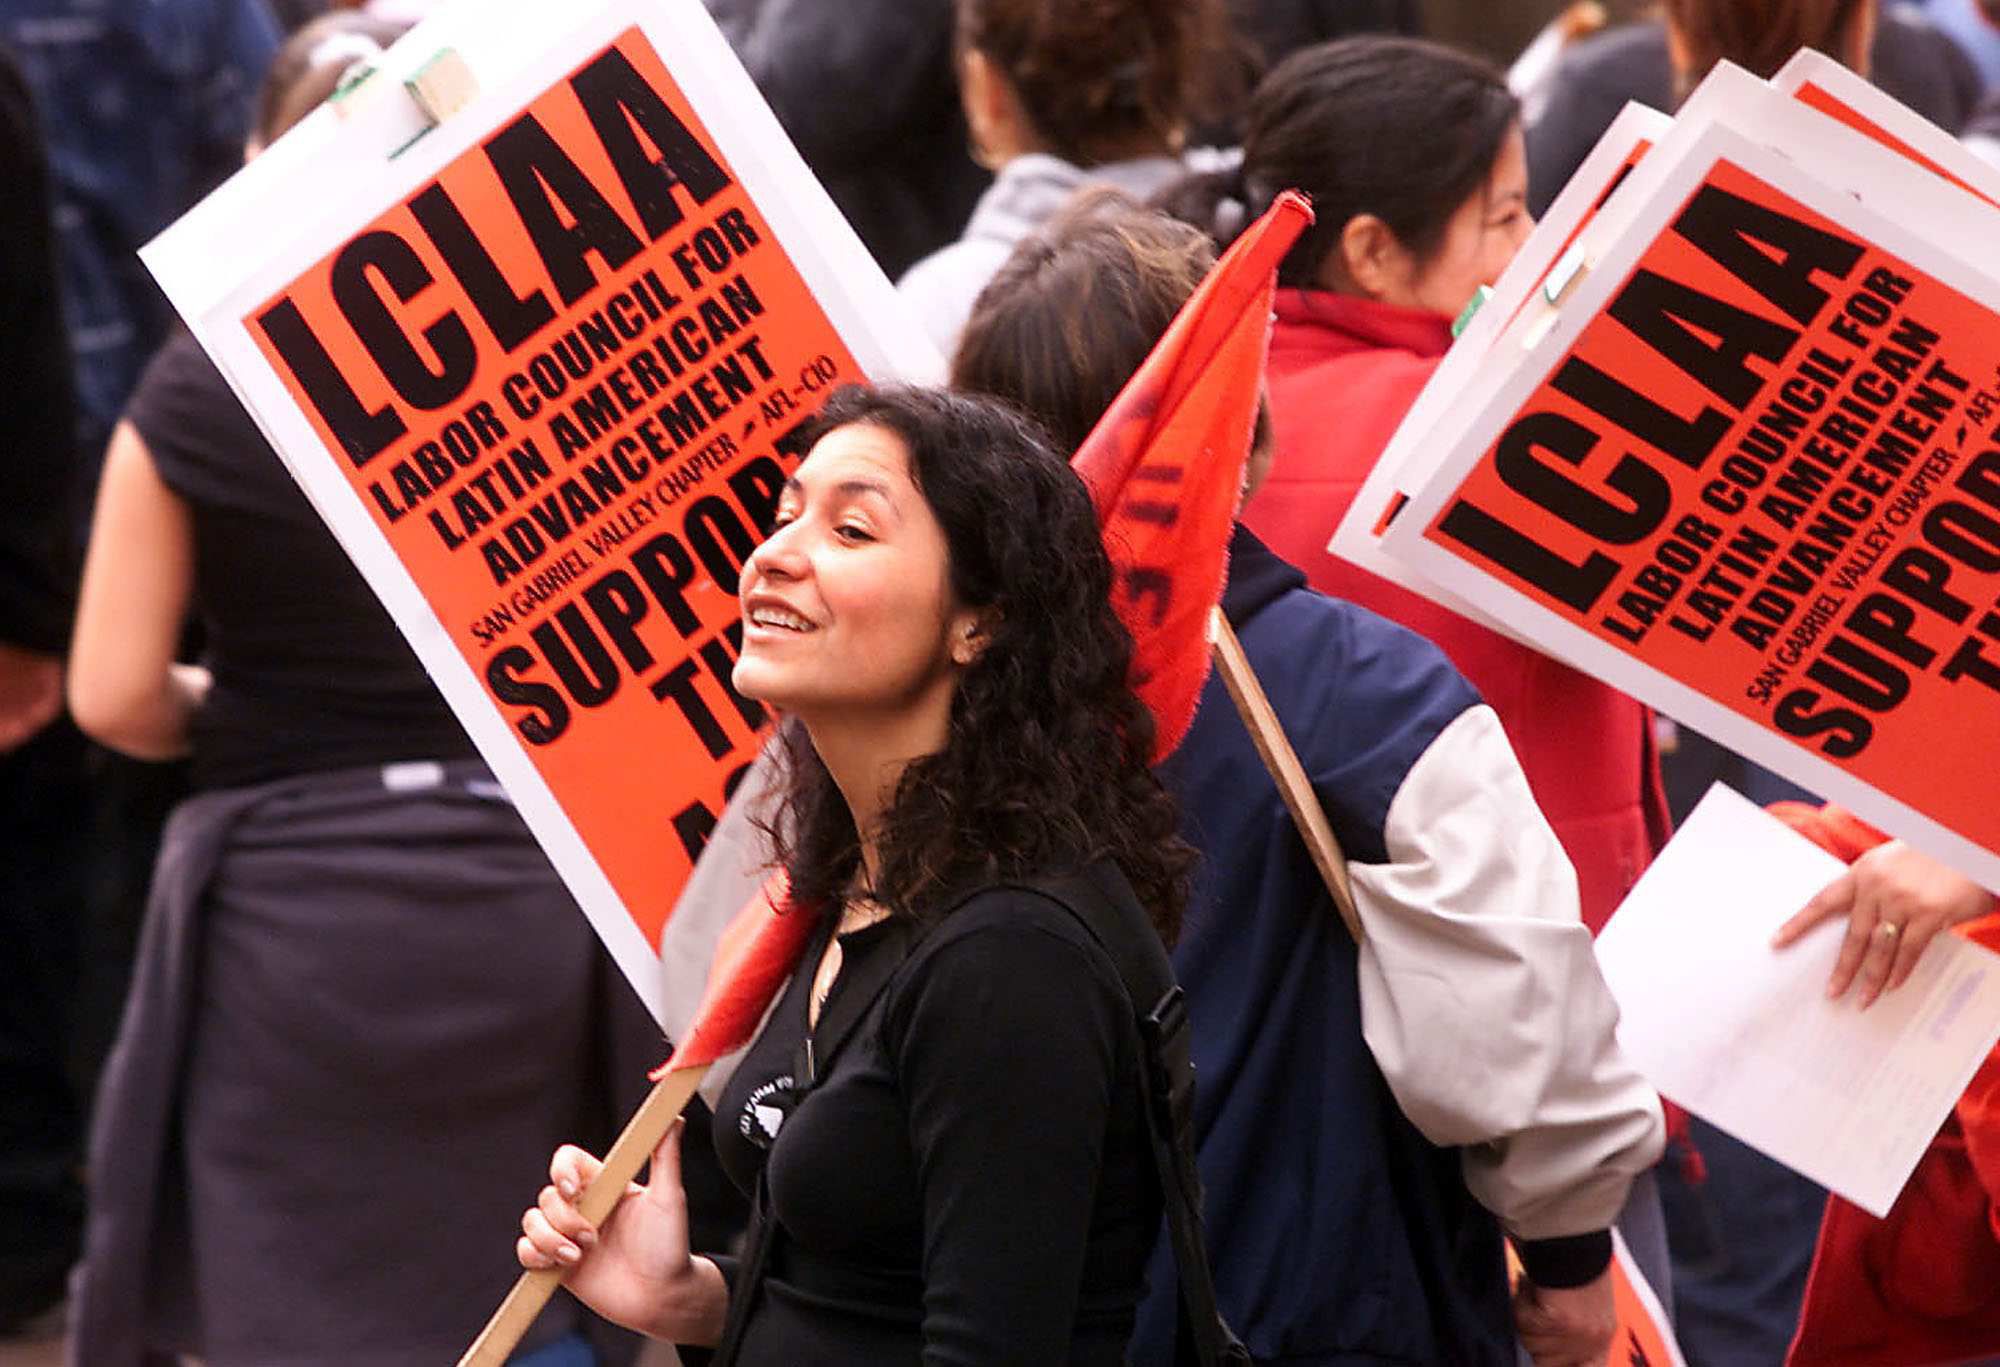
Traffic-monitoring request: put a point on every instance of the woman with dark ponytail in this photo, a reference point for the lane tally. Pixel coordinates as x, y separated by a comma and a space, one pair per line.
1412, 155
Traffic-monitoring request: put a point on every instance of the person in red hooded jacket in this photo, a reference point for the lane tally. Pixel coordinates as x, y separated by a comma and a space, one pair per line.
1412, 154
1921, 1286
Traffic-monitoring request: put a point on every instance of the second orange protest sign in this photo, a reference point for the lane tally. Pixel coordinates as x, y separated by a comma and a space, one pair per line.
1766, 469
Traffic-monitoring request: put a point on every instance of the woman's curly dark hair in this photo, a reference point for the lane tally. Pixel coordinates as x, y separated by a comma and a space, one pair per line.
1046, 766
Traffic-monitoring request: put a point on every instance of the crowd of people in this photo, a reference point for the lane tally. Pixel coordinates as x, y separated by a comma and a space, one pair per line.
359, 1012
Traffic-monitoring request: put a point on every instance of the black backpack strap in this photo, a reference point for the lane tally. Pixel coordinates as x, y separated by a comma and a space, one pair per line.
761, 1234
751, 1266
1166, 1088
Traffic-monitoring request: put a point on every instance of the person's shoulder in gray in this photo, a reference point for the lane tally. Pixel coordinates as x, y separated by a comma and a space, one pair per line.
1974, 25
1590, 84
1921, 65
1909, 58
1058, 95
1026, 194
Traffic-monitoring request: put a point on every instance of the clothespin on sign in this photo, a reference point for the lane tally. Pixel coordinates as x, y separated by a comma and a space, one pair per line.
1471, 310
1571, 267
442, 86
436, 90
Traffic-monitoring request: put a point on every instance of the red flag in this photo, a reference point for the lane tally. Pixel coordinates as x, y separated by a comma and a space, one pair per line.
754, 956
1165, 466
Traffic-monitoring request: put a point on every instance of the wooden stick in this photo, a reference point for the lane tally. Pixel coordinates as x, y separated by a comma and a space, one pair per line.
1275, 749
656, 1114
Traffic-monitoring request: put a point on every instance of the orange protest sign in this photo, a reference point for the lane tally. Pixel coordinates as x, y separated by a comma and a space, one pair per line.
546, 380
563, 376
1755, 476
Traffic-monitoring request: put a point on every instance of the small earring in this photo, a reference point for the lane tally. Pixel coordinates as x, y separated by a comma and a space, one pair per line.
983, 159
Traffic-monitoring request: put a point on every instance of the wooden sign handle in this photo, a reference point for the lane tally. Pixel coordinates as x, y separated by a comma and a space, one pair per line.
656, 1114
1275, 749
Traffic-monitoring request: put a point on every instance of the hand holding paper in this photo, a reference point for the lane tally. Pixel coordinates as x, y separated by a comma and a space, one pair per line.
1745, 1036
1896, 900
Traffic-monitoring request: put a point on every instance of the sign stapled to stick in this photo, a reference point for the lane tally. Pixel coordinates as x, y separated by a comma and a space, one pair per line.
1749, 473
545, 374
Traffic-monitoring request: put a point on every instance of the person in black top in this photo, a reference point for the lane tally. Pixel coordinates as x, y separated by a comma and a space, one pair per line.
941, 1117
43, 801
347, 925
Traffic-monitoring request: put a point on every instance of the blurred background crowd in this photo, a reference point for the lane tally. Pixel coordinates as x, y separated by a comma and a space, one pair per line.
117, 115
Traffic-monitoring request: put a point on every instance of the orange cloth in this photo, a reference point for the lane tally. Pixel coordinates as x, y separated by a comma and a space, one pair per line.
1165, 467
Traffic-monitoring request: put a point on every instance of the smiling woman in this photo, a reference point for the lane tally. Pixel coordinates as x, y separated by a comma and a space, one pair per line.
941, 1118
847, 607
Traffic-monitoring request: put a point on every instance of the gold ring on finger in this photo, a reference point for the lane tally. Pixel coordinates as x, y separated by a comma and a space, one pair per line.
1888, 930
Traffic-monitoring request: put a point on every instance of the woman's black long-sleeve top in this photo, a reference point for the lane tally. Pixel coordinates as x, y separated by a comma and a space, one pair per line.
969, 1179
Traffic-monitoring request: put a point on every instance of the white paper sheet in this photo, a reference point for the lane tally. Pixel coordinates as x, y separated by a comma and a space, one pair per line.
1745, 1037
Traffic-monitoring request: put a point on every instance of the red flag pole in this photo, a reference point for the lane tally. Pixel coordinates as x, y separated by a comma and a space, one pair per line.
1275, 749
643, 1132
